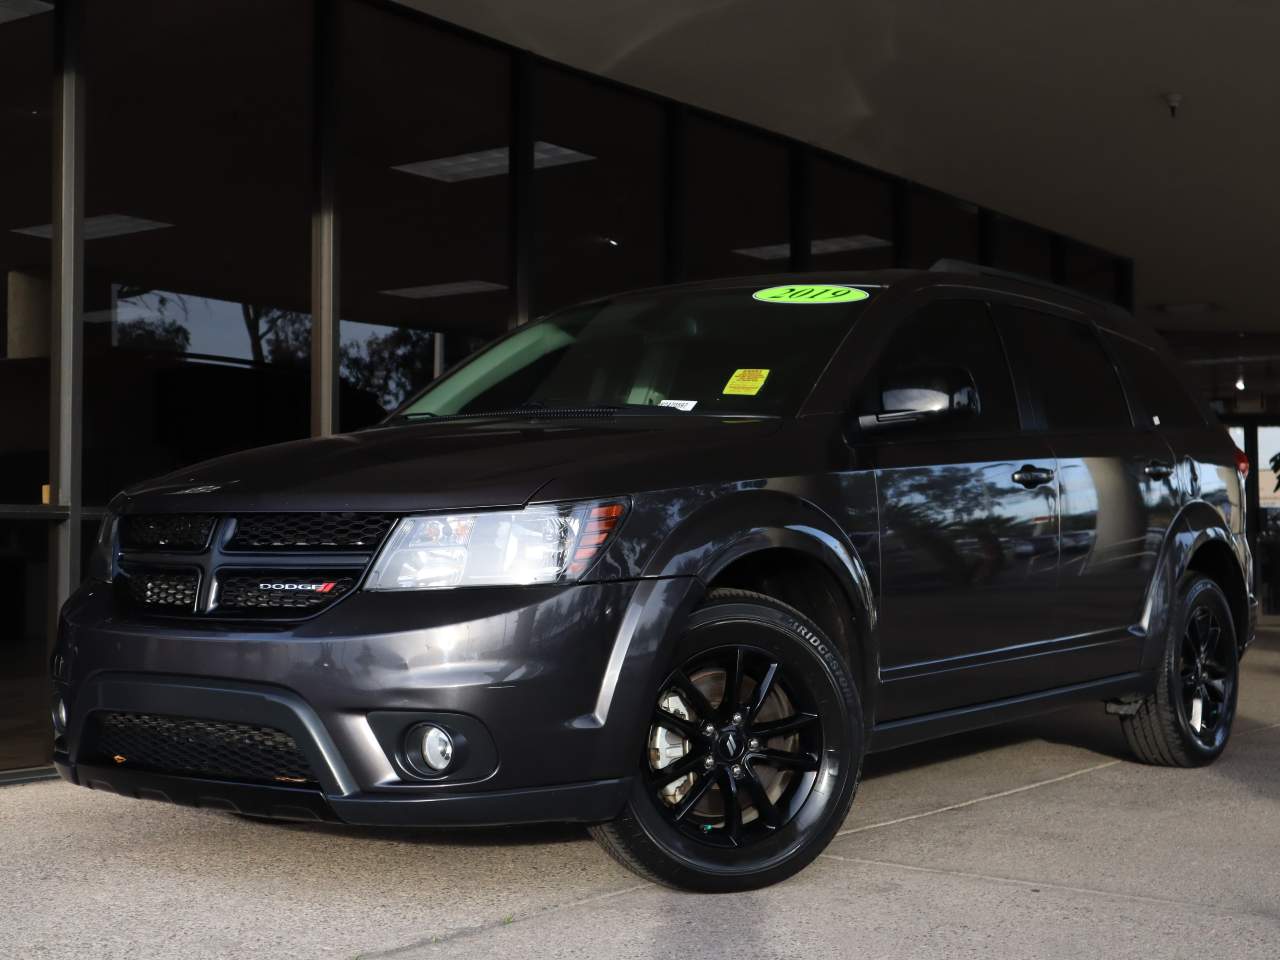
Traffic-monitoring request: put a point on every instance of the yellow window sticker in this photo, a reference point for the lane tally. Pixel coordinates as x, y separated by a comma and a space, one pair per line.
746, 382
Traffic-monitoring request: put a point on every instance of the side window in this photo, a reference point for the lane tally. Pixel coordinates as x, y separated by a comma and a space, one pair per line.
950, 334
1062, 363
1163, 397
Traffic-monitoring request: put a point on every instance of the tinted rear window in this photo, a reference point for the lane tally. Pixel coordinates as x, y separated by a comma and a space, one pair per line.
1063, 365
1163, 399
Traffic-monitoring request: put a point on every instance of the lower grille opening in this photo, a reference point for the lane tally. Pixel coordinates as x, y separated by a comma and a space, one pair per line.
214, 749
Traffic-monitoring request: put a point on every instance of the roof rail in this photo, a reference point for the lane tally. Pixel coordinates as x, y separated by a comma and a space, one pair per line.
951, 265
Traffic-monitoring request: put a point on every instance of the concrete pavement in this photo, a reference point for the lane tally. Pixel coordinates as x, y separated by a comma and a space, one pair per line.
1039, 839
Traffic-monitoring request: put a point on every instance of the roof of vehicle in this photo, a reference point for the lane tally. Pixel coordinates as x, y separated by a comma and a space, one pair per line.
944, 272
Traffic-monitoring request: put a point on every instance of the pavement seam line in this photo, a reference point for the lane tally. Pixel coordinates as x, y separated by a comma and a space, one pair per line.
1268, 726
983, 799
464, 932
1043, 884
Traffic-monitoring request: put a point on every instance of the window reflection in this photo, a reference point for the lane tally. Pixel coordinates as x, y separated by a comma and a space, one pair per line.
736, 221
26, 163
423, 200
940, 227
852, 218
598, 222
197, 233
24, 683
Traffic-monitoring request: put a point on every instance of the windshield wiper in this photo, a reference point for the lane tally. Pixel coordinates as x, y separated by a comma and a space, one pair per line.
537, 410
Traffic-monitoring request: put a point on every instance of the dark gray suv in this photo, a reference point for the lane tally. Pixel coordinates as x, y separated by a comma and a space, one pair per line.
671, 564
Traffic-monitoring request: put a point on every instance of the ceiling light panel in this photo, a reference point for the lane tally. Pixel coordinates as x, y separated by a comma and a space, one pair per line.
781, 251
17, 9
98, 228
489, 163
433, 290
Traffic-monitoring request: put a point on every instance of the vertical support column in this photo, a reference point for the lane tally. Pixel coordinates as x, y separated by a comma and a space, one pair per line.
800, 197
520, 161
673, 194
1252, 496
325, 314
66, 341
437, 354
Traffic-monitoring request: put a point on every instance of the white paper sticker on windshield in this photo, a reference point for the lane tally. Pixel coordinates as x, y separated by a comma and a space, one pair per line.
685, 405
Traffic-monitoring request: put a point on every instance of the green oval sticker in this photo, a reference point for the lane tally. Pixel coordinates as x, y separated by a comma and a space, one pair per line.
811, 293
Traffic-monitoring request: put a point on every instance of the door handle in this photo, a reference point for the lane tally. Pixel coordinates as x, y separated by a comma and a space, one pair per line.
1158, 470
1030, 476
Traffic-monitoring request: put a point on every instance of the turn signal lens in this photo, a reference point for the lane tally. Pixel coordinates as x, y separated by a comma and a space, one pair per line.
601, 522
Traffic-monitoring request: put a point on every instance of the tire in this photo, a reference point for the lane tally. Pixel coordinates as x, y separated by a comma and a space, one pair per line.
1201, 660
761, 792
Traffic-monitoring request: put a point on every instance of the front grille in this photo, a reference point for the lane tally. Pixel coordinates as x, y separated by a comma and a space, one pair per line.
166, 531
310, 531
282, 592
169, 590
202, 748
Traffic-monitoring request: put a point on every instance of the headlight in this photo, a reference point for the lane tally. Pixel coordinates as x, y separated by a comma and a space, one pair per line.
101, 565
548, 543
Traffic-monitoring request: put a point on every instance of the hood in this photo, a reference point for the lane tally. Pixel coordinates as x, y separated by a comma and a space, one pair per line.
464, 463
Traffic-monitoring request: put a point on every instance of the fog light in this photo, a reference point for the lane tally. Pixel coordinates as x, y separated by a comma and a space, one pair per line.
59, 716
437, 748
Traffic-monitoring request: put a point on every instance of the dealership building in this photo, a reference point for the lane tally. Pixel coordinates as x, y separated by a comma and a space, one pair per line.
226, 224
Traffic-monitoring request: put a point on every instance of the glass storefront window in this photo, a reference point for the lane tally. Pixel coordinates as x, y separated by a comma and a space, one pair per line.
1021, 248
424, 200
25, 731
852, 217
1090, 271
197, 233
597, 220
26, 192
940, 227
736, 219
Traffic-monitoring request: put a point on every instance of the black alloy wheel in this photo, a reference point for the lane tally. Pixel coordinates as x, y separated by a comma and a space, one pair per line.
747, 744
1186, 721
752, 751
1207, 674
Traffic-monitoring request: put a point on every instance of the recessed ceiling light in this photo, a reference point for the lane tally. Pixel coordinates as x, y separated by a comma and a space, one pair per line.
781, 251
489, 163
97, 228
445, 289
17, 9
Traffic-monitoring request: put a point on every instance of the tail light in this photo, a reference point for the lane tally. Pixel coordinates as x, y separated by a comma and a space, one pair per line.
1242, 463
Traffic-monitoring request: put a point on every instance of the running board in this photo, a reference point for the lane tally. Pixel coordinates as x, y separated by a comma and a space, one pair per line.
900, 733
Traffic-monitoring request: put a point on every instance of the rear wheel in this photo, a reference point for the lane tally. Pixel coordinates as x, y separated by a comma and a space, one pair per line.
752, 755
1187, 721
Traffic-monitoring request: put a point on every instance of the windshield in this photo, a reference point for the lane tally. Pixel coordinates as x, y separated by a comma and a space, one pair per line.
717, 352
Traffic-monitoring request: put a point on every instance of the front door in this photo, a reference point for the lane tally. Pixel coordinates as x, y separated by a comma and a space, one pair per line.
968, 523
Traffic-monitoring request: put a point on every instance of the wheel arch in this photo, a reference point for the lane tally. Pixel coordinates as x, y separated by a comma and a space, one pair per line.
1200, 541
800, 578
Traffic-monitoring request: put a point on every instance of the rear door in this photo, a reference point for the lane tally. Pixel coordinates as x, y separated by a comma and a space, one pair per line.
968, 523
1116, 481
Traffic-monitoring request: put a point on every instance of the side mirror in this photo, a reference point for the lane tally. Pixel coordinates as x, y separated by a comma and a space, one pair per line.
923, 393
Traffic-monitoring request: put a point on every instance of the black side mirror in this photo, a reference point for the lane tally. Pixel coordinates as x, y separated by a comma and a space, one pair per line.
922, 393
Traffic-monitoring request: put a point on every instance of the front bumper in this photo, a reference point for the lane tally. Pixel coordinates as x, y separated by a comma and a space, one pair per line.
552, 685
